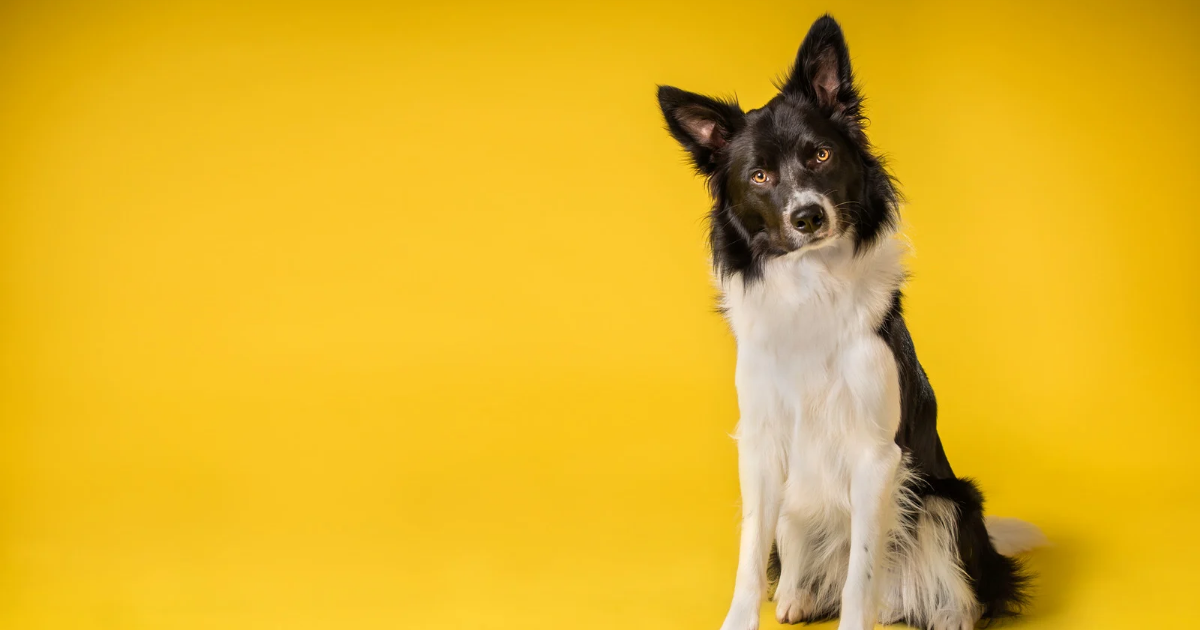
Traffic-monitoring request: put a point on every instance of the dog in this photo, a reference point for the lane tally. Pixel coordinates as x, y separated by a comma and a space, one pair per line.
850, 508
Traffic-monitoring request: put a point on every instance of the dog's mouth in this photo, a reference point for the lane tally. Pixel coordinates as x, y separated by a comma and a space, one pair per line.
809, 220
784, 243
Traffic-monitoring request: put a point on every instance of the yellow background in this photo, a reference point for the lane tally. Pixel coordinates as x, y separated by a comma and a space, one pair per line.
377, 315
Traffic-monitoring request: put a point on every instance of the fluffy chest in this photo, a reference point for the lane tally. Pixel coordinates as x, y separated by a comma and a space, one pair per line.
806, 320
814, 379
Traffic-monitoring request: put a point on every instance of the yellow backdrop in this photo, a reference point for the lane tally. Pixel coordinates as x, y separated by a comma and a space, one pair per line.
375, 315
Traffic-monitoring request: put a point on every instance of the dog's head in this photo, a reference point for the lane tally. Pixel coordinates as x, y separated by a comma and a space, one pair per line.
797, 174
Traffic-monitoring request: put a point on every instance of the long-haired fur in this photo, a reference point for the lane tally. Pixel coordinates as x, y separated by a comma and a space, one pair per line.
804, 211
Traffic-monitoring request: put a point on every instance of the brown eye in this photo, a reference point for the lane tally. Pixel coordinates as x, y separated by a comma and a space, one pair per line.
759, 177
822, 154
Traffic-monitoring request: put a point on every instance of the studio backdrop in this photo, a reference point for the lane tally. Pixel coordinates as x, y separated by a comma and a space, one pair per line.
399, 315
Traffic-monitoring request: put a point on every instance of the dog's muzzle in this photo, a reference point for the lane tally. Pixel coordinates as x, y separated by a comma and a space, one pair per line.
809, 218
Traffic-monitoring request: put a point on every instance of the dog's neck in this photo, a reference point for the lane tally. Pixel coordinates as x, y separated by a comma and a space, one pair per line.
822, 292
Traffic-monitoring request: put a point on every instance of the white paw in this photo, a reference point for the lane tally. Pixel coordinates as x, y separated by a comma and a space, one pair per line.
951, 620
793, 606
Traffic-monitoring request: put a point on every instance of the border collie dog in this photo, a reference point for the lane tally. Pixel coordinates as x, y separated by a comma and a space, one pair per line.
850, 506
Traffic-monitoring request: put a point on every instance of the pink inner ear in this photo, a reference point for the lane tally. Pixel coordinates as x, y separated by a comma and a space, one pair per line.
825, 79
704, 130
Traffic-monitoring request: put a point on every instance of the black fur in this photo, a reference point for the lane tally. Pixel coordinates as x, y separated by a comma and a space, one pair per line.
819, 105
999, 582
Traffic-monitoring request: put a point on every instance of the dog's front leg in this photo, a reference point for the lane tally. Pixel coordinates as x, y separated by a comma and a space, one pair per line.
872, 486
760, 471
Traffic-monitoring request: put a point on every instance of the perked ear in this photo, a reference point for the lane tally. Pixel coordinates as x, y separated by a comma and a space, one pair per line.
822, 70
701, 124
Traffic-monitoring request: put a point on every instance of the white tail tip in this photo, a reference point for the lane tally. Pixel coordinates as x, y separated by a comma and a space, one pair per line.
1012, 536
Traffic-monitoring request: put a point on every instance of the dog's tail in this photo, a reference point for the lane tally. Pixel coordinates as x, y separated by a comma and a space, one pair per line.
1012, 536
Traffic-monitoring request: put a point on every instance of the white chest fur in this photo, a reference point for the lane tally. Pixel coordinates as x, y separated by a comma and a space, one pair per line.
818, 392
821, 474
816, 384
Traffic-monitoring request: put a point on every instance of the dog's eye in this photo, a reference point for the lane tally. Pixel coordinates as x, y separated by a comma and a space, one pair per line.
759, 177
822, 154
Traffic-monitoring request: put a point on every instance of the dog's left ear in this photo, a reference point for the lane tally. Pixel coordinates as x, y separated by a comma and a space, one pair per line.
822, 71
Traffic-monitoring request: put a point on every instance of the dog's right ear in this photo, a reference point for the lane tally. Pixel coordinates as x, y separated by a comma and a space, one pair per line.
701, 124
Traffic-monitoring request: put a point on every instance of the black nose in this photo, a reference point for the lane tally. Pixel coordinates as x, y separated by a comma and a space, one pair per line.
808, 219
